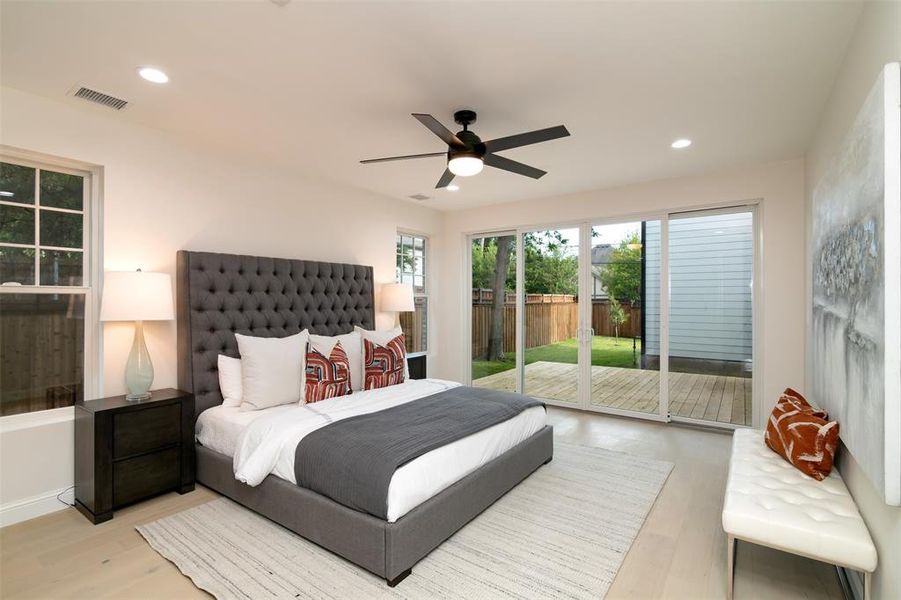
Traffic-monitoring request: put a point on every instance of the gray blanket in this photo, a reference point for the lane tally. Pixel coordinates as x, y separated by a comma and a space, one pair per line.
352, 461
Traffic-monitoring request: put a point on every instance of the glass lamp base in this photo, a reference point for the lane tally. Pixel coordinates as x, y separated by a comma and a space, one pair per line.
138, 368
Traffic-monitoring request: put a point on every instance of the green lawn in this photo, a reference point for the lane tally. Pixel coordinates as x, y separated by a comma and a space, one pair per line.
605, 351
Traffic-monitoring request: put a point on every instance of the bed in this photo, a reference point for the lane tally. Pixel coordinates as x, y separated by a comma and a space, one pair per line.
219, 295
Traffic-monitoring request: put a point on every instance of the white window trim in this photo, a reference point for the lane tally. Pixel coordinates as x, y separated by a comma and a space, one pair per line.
93, 229
427, 261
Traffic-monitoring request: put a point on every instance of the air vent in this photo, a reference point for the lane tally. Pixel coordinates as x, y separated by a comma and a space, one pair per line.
419, 197
100, 98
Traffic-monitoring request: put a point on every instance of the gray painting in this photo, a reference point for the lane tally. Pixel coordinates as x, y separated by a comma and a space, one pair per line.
849, 293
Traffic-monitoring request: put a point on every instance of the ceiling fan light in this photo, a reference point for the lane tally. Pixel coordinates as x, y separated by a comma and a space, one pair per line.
464, 166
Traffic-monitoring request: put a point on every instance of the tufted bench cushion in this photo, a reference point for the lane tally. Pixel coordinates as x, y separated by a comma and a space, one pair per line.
769, 502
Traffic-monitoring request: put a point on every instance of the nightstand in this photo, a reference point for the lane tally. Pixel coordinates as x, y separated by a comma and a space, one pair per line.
127, 451
417, 363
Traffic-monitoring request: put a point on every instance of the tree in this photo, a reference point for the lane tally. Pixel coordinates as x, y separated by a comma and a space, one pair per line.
499, 299
549, 269
618, 316
621, 276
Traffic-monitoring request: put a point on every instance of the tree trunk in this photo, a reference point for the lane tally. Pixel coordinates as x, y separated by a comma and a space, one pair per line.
498, 306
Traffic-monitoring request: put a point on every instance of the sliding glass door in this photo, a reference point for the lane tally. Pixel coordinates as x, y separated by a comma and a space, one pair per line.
625, 356
649, 317
711, 316
493, 311
549, 301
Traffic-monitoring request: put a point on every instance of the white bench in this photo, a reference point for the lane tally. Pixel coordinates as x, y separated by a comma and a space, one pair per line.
770, 503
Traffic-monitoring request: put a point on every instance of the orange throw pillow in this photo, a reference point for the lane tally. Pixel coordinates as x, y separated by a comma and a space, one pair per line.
800, 402
802, 435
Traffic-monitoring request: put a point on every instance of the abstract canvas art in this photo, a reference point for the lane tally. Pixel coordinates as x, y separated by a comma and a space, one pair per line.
856, 312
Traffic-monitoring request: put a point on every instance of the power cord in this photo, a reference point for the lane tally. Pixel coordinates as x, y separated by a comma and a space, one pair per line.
71, 487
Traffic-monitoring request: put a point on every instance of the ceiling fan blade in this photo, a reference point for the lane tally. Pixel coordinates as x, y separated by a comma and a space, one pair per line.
445, 180
405, 157
525, 139
440, 130
499, 162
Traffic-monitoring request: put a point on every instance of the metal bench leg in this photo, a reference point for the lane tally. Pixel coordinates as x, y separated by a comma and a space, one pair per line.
867, 585
730, 565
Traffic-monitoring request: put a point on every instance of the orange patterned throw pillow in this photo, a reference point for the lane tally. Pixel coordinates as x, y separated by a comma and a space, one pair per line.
800, 402
326, 376
384, 365
801, 435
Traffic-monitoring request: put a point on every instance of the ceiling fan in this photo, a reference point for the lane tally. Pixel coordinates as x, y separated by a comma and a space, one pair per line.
467, 153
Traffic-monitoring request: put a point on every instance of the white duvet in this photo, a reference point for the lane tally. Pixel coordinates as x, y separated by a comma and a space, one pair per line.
264, 442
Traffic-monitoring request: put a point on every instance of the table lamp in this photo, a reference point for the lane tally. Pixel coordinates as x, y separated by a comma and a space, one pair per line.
397, 298
137, 296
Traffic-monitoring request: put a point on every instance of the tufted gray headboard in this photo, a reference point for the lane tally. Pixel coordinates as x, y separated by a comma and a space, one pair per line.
219, 295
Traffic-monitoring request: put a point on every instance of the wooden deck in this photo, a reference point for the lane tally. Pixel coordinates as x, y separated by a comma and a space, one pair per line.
707, 397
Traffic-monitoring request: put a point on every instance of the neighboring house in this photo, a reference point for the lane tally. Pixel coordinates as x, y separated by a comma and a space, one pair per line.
712, 265
600, 256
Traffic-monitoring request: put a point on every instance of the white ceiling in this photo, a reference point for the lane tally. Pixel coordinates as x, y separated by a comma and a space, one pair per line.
315, 87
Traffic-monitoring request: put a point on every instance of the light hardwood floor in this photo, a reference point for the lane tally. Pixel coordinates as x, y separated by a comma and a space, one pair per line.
680, 552
707, 397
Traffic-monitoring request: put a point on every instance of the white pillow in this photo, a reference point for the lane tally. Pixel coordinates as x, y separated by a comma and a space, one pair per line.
230, 380
353, 347
382, 338
272, 369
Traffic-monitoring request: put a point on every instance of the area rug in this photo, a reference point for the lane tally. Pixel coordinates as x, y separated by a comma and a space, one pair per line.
562, 533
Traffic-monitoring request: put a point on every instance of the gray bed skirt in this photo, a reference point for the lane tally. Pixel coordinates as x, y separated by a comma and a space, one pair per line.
387, 549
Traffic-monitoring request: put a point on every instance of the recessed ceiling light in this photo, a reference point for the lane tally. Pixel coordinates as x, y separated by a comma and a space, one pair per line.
153, 74
681, 143
452, 187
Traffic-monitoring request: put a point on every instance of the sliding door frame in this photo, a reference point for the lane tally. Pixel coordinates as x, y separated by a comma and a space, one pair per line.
521, 312
662, 414
467, 300
755, 208
584, 331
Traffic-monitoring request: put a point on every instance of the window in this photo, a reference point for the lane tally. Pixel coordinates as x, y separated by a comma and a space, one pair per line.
412, 257
45, 292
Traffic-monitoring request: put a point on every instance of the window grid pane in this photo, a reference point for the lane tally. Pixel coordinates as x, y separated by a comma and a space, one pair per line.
17, 183
50, 235
61, 190
411, 269
61, 229
17, 265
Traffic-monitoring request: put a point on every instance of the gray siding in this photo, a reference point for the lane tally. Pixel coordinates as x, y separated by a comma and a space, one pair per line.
711, 268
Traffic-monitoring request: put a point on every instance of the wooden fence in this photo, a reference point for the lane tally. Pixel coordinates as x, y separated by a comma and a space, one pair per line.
600, 320
547, 322
41, 351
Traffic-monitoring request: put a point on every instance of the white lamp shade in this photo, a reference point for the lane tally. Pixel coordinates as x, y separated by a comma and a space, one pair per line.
136, 296
397, 297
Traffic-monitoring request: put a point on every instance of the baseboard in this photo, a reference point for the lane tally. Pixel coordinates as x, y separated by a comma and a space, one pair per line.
35, 506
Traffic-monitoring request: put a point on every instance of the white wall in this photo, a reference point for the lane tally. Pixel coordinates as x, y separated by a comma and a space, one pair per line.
162, 195
780, 188
876, 42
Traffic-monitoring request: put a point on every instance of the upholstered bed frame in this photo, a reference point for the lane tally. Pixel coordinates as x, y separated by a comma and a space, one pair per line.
219, 295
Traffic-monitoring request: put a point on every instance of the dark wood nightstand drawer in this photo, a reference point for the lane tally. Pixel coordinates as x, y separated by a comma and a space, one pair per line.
143, 476
146, 430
